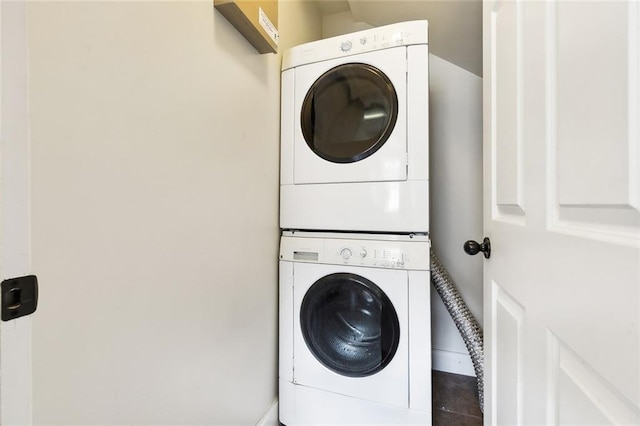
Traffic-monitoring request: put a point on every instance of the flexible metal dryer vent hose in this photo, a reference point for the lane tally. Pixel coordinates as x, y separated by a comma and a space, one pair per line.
462, 317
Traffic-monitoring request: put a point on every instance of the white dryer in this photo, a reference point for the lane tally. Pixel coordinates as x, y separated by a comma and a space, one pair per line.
355, 132
355, 339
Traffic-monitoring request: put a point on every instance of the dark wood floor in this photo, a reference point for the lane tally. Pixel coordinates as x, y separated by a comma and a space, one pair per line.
455, 400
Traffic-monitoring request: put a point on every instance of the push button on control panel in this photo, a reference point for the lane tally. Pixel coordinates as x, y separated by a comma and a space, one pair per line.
346, 46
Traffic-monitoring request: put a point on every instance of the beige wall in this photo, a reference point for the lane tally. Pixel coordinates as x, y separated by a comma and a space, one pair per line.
299, 23
341, 23
155, 133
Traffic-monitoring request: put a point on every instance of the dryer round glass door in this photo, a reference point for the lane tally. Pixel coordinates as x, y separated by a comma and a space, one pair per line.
349, 113
349, 325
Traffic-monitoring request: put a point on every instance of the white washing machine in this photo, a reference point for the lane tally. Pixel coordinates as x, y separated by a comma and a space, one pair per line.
355, 331
355, 132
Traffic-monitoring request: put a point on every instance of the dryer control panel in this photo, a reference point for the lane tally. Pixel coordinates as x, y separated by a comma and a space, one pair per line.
384, 37
389, 252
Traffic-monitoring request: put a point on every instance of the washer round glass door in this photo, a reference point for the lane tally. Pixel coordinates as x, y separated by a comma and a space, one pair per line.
349, 113
349, 325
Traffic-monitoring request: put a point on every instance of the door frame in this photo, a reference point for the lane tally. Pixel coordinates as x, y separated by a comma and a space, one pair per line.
15, 218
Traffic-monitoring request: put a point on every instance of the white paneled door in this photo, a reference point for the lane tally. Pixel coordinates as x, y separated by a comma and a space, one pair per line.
562, 209
15, 336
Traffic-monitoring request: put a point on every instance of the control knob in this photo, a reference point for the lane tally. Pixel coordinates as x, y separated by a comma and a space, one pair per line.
345, 253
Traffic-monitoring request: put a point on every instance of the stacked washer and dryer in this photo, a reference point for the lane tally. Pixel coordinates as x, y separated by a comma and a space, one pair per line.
355, 339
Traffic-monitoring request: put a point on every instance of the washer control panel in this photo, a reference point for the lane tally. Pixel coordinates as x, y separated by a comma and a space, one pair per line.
401, 252
385, 256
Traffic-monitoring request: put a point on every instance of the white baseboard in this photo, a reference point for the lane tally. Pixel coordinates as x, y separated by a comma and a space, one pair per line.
452, 362
270, 417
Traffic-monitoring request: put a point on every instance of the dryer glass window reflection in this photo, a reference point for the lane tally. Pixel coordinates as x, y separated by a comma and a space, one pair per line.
349, 113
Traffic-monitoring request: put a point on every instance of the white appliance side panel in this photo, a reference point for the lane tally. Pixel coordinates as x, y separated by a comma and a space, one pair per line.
418, 111
389, 163
389, 386
419, 340
371, 206
287, 123
285, 340
300, 405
